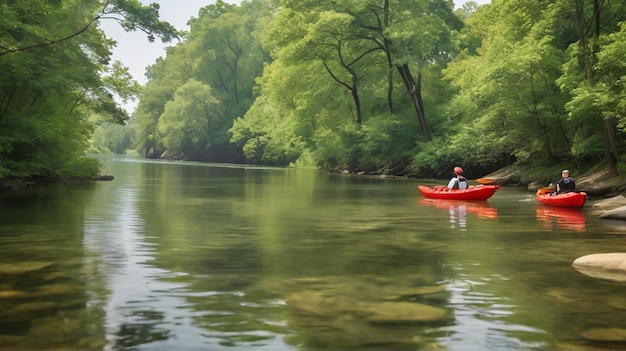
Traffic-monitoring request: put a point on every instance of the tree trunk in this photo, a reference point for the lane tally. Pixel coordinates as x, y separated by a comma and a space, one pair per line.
609, 132
387, 47
414, 90
357, 101
590, 53
535, 113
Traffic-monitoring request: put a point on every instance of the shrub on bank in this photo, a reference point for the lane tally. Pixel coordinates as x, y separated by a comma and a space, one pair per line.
82, 167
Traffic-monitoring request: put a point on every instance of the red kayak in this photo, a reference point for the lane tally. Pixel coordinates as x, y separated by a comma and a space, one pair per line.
573, 199
478, 192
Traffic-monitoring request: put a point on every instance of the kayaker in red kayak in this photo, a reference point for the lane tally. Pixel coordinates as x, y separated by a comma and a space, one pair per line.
565, 184
458, 181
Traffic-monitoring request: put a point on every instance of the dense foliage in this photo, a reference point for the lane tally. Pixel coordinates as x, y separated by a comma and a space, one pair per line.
57, 83
391, 86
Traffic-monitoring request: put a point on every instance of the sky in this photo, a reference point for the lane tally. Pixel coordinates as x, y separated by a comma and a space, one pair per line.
136, 52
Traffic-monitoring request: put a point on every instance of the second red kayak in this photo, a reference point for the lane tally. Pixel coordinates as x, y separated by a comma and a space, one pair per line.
478, 192
572, 199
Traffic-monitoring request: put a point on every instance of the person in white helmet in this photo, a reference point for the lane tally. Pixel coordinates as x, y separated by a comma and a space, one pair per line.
458, 181
565, 184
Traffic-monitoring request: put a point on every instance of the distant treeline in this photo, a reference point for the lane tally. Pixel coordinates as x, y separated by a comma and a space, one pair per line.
380, 86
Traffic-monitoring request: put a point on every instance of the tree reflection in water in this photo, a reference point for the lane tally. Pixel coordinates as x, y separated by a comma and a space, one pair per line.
143, 331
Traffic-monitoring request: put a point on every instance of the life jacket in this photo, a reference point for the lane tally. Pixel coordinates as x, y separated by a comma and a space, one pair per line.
460, 179
566, 185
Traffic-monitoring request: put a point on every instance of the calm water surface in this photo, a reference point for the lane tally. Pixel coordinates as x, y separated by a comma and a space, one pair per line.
184, 256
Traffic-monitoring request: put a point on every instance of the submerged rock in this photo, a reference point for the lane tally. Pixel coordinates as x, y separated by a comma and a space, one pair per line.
316, 304
404, 292
20, 268
605, 334
618, 303
404, 312
345, 322
12, 294
34, 307
348, 332
58, 290
565, 346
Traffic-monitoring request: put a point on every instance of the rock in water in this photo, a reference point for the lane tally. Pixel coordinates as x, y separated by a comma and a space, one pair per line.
611, 266
20, 268
618, 213
107, 177
404, 312
605, 334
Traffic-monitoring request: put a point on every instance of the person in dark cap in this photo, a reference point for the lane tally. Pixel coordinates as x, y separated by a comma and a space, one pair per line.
458, 181
565, 184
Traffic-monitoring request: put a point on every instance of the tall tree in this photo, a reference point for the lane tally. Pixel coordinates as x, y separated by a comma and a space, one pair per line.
222, 52
349, 45
593, 21
188, 118
54, 63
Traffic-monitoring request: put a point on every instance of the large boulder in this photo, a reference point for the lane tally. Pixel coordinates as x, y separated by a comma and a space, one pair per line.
600, 183
610, 203
611, 208
616, 213
611, 266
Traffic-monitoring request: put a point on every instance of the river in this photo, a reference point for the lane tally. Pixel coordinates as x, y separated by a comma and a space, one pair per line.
190, 256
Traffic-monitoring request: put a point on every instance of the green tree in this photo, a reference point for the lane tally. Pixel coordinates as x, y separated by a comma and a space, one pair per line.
349, 45
188, 123
510, 84
111, 138
56, 80
30, 32
222, 52
594, 22
612, 71
165, 76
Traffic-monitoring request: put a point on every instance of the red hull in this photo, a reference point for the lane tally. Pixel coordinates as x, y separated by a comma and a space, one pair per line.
573, 199
474, 193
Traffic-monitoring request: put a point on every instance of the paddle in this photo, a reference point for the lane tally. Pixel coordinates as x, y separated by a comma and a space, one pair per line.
544, 190
485, 181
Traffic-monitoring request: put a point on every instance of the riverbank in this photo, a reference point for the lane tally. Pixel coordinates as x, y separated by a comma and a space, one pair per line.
595, 181
18, 184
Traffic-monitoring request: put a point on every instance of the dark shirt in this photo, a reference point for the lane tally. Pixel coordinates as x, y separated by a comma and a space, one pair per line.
564, 185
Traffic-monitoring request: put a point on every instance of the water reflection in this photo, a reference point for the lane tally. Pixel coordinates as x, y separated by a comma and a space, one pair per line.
192, 257
480, 316
563, 218
458, 210
142, 301
45, 302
